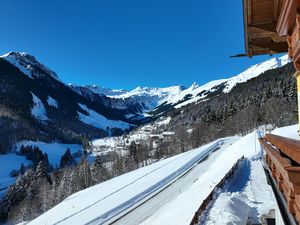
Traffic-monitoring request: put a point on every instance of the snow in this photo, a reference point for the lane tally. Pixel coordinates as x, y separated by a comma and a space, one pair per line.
165, 121
176, 94
256, 194
130, 115
289, 131
54, 150
95, 119
52, 102
38, 110
251, 193
105, 91
256, 70
21, 66
106, 199
231, 209
8, 163
161, 94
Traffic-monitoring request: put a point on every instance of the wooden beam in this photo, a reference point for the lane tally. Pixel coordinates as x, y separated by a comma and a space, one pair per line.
287, 17
249, 10
246, 23
275, 10
271, 27
239, 55
270, 45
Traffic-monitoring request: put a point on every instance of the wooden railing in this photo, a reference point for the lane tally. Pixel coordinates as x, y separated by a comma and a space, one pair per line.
289, 147
209, 199
283, 159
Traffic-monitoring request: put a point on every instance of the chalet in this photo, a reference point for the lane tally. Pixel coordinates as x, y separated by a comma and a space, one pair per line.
270, 27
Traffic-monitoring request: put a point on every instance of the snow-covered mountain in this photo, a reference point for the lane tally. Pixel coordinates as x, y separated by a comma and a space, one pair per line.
149, 98
39, 93
35, 98
28, 64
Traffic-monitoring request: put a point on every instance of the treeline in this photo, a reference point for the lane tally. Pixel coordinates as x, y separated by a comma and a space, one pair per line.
38, 190
270, 98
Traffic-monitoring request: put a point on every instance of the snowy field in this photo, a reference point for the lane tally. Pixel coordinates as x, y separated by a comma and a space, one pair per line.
12, 161
54, 150
8, 163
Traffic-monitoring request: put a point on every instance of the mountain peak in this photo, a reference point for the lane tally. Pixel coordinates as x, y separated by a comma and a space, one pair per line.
19, 55
28, 64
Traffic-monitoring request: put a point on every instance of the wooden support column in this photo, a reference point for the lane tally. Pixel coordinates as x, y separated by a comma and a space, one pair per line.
297, 76
294, 53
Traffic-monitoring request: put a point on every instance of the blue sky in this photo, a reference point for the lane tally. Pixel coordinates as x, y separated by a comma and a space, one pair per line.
129, 43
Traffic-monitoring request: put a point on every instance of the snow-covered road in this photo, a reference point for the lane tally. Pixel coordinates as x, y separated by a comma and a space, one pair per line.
148, 208
134, 202
106, 202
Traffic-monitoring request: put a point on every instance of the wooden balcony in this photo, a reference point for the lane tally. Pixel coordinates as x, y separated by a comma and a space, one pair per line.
283, 159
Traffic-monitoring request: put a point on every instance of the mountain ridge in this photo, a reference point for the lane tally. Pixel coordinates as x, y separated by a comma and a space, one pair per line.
174, 94
56, 110
148, 98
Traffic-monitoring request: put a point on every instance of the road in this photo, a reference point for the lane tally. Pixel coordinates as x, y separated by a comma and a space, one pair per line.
134, 212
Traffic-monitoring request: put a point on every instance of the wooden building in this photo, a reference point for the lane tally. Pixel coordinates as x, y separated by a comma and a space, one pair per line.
273, 26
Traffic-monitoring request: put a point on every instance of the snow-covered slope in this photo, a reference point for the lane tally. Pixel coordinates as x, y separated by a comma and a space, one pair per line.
38, 110
95, 119
52, 102
197, 92
105, 91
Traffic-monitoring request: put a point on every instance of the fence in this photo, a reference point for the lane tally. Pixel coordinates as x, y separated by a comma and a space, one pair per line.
206, 202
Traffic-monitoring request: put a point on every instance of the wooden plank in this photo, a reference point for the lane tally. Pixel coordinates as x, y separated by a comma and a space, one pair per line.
289, 147
275, 10
287, 17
